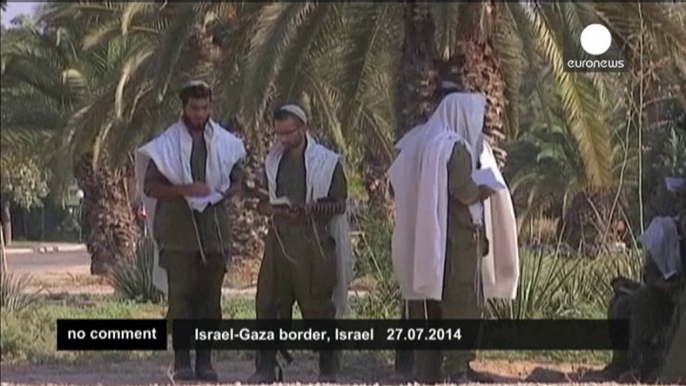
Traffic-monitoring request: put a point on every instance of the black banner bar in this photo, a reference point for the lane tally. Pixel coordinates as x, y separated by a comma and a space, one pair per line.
402, 334
111, 334
129, 334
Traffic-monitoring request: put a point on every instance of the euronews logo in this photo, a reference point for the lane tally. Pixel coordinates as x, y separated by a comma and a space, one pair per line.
594, 51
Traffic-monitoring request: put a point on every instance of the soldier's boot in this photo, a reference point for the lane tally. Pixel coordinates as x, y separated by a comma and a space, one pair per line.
265, 368
203, 366
182, 366
327, 366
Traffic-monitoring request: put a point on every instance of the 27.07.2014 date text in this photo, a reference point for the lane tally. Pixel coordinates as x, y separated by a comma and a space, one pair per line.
423, 334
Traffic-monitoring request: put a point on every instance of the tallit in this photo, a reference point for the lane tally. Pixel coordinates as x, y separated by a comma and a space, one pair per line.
171, 153
320, 164
661, 241
420, 180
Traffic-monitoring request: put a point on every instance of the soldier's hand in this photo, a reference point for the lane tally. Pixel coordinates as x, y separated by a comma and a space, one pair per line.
198, 189
485, 192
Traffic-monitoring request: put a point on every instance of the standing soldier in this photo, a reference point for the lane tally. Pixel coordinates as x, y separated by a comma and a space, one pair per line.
187, 173
444, 265
307, 250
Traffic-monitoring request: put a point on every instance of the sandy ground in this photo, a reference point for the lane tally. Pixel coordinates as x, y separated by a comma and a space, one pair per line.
357, 369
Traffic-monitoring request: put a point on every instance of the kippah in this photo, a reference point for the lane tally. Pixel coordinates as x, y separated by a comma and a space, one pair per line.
195, 83
295, 110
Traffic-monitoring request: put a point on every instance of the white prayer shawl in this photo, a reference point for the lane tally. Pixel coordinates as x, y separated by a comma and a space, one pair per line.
320, 164
500, 269
661, 242
171, 153
420, 180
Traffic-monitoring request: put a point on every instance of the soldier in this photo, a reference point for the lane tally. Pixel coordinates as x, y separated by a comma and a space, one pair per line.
187, 173
307, 250
649, 305
441, 219
673, 370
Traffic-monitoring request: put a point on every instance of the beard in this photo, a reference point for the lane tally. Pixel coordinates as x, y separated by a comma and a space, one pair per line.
194, 126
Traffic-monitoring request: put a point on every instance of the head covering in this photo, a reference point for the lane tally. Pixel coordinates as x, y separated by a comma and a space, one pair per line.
197, 82
459, 114
447, 85
295, 110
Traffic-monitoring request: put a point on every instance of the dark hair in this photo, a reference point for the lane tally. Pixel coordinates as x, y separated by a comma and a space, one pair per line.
442, 92
196, 91
282, 115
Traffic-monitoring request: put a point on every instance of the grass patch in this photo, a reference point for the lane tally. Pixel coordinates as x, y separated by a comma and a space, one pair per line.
30, 334
14, 292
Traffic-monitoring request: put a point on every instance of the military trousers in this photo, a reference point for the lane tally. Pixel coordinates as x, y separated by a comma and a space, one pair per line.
296, 268
460, 300
195, 286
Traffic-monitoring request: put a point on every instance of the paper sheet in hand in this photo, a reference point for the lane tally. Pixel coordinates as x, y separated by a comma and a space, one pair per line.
675, 184
488, 177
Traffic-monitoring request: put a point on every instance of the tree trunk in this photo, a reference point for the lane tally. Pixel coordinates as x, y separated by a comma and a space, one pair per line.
109, 213
6, 222
416, 88
417, 77
249, 228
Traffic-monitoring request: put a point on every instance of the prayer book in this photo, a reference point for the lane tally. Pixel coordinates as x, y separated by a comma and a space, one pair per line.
488, 177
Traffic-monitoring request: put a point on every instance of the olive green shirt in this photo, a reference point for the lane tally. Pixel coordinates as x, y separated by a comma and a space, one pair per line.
462, 232
461, 188
291, 182
177, 227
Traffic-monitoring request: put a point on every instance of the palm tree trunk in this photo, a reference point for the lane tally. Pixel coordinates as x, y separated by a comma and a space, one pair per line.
416, 88
113, 230
249, 229
417, 77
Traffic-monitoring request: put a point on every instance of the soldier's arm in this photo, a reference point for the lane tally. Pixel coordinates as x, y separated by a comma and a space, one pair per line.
336, 201
461, 186
157, 186
338, 191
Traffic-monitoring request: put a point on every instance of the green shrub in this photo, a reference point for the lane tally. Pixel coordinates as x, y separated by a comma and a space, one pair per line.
133, 278
14, 295
552, 286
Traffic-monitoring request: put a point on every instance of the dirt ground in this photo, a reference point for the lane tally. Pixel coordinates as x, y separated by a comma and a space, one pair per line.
356, 370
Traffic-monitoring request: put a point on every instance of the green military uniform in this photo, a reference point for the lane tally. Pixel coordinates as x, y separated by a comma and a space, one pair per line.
299, 262
650, 311
461, 289
194, 285
674, 368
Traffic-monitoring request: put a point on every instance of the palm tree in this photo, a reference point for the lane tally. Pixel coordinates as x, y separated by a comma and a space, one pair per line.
71, 81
